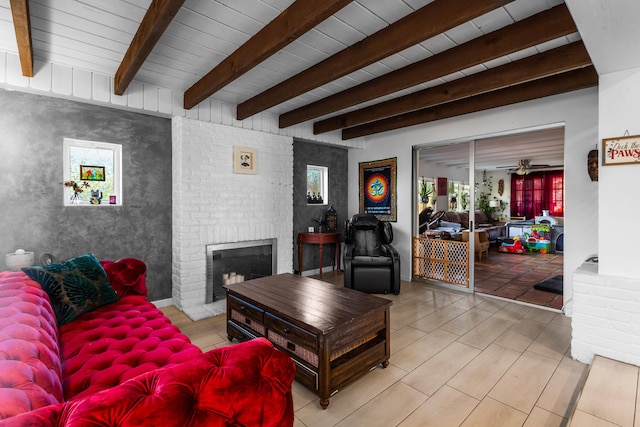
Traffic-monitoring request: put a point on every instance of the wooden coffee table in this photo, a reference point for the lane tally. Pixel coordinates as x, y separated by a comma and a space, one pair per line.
333, 334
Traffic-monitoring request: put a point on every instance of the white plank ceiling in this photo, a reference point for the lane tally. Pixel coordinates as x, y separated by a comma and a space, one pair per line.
93, 35
543, 148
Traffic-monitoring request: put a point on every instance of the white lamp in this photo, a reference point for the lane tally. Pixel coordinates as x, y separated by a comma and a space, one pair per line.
20, 258
494, 204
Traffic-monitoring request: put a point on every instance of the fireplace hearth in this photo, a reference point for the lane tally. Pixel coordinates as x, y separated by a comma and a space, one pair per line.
231, 262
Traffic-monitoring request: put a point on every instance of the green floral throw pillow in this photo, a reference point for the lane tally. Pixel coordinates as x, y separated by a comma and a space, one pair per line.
75, 286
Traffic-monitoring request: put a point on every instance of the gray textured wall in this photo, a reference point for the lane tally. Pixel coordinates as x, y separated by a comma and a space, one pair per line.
32, 129
335, 158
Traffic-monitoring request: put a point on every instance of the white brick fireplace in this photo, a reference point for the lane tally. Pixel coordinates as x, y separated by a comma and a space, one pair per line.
212, 205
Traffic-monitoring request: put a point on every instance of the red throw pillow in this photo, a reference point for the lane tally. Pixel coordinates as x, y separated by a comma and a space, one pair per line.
127, 276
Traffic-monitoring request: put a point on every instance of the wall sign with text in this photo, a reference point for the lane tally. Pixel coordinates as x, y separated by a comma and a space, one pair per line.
623, 150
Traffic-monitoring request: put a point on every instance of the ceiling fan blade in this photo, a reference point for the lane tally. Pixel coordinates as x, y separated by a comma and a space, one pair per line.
546, 166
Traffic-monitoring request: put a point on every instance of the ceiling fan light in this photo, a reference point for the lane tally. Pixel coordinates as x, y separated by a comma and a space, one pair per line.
523, 167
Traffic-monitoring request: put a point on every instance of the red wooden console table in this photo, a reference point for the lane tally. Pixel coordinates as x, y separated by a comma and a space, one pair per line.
319, 239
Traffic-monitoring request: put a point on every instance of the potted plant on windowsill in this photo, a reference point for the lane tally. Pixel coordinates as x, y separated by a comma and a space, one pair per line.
77, 189
464, 200
425, 190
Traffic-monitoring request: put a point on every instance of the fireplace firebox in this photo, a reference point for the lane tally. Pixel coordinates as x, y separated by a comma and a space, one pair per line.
238, 261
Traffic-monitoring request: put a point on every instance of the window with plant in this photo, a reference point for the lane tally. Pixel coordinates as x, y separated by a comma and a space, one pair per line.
317, 184
426, 191
92, 172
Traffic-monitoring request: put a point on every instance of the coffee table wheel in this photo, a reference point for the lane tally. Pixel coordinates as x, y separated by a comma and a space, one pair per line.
385, 363
230, 338
324, 403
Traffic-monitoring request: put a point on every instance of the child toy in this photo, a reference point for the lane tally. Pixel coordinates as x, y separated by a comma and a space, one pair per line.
539, 238
512, 248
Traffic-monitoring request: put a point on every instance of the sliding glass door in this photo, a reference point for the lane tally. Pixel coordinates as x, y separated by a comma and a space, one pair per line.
443, 230
504, 195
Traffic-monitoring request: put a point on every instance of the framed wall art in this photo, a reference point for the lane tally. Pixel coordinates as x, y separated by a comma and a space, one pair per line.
624, 150
378, 189
442, 186
92, 173
244, 160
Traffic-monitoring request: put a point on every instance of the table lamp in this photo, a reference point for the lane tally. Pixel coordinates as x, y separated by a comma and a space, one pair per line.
494, 204
20, 258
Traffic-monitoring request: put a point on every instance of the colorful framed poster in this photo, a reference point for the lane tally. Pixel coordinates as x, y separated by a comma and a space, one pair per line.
378, 189
92, 173
624, 150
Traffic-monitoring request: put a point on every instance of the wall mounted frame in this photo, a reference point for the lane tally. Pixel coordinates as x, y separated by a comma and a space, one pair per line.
378, 189
624, 150
245, 160
92, 173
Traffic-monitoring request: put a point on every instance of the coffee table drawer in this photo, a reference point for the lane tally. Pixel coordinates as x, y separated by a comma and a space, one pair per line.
245, 313
306, 376
293, 348
291, 332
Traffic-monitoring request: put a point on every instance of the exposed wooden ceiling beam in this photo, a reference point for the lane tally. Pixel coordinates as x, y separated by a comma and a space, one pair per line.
155, 22
540, 28
22, 25
293, 22
430, 20
558, 60
560, 83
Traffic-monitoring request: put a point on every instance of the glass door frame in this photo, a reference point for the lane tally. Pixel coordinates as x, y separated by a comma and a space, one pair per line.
415, 204
475, 142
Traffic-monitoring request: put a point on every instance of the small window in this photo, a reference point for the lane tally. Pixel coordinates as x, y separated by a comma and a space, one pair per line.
92, 173
317, 184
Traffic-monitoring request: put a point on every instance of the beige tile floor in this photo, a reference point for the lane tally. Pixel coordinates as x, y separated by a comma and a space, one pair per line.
456, 360
609, 397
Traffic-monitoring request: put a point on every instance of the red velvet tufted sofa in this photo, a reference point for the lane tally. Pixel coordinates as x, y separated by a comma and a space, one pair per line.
126, 364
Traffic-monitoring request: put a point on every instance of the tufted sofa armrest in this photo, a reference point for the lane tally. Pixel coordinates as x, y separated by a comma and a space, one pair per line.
247, 384
30, 370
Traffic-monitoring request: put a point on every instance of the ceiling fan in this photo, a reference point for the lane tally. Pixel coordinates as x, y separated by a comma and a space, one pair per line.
524, 167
